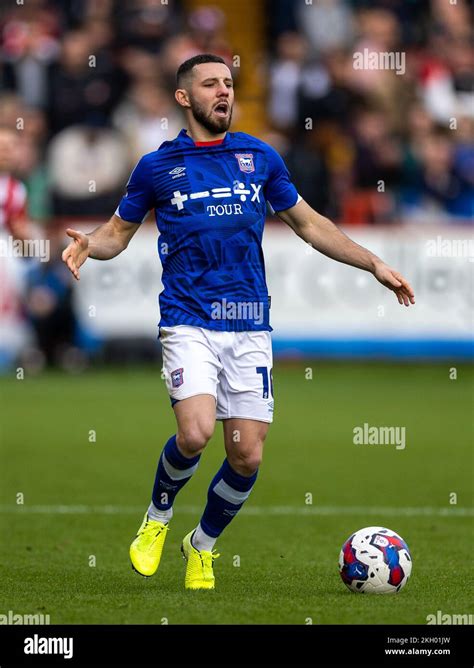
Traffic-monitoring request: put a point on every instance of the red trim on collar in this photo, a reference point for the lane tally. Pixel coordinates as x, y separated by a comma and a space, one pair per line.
215, 142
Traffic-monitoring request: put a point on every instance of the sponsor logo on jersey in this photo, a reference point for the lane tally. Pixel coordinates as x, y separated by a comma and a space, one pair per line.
224, 209
179, 199
177, 172
177, 378
245, 161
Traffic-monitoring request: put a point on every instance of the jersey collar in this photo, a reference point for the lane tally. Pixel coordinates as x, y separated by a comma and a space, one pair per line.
183, 136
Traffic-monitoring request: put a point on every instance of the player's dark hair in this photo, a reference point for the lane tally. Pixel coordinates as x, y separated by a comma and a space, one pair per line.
200, 59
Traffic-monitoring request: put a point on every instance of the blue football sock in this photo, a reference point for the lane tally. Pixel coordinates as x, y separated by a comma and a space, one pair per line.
226, 496
173, 472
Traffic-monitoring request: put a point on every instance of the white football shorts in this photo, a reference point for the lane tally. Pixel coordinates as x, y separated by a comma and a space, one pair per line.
234, 367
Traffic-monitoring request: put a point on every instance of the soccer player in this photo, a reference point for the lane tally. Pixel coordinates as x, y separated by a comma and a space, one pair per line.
209, 188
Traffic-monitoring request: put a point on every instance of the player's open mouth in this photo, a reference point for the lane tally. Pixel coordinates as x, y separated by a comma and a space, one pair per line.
221, 109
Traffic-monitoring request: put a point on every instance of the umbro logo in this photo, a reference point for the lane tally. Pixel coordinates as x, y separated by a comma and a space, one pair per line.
177, 171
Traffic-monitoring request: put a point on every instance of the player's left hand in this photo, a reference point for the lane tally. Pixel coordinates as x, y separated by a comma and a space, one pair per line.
393, 280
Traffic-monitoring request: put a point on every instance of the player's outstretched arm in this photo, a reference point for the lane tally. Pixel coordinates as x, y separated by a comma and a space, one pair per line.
325, 237
103, 243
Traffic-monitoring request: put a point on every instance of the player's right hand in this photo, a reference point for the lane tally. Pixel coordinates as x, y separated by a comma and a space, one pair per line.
77, 252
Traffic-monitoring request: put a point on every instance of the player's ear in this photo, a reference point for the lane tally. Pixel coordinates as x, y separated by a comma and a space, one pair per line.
182, 98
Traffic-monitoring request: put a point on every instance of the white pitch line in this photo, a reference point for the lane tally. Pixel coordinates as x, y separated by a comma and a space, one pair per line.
424, 511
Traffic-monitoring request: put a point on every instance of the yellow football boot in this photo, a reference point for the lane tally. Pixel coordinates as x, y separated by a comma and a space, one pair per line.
199, 573
146, 549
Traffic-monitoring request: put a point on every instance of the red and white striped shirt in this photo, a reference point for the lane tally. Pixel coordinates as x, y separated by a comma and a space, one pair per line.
12, 202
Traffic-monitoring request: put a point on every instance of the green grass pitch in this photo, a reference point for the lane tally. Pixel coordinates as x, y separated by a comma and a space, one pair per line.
83, 500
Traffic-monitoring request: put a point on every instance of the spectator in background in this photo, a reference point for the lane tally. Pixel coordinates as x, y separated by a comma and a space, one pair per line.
334, 98
11, 109
453, 18
327, 100
378, 155
464, 150
74, 13
438, 185
143, 24
82, 83
379, 31
28, 164
147, 118
31, 169
88, 166
412, 15
207, 28
447, 79
306, 167
447, 88
177, 49
419, 122
205, 33
281, 16
327, 24
13, 198
286, 73
48, 303
376, 170
101, 34
140, 65
30, 45
30, 42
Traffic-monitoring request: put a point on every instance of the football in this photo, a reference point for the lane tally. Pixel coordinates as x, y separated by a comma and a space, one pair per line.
375, 560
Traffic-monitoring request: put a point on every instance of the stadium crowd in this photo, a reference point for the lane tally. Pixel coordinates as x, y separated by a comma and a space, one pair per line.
93, 82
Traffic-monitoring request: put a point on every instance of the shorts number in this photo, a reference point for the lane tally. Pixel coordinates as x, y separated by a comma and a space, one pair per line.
266, 377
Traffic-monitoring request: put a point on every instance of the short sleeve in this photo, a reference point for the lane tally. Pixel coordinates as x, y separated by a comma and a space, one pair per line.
279, 191
140, 195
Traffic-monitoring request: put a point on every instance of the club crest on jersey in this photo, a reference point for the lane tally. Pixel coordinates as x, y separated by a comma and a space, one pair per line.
177, 378
245, 161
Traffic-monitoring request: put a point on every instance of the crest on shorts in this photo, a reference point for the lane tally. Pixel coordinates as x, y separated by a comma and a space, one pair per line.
245, 161
177, 377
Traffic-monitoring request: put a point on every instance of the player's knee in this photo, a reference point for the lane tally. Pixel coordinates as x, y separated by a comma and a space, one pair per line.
193, 440
246, 463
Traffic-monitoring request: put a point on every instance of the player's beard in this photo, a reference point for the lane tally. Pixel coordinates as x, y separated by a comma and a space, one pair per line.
214, 125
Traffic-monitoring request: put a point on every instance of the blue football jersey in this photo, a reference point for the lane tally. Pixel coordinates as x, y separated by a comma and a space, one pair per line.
210, 207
